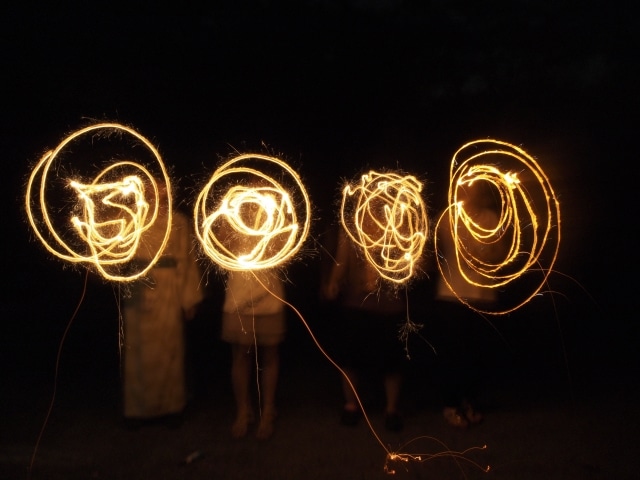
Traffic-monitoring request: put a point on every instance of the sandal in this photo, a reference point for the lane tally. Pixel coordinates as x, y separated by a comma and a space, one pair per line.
455, 417
471, 414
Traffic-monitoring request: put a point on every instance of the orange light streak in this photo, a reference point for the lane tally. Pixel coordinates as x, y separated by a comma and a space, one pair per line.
528, 222
456, 455
392, 456
115, 210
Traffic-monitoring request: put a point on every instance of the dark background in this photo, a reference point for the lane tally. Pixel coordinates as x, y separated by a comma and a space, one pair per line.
334, 87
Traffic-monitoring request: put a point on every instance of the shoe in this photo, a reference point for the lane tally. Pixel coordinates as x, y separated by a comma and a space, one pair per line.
474, 417
455, 417
393, 422
349, 417
266, 427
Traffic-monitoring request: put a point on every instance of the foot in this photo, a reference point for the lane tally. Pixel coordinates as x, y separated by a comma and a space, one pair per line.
240, 427
266, 427
455, 417
474, 417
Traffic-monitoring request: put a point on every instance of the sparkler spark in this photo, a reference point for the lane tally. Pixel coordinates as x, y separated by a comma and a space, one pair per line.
528, 221
255, 222
457, 456
386, 217
115, 208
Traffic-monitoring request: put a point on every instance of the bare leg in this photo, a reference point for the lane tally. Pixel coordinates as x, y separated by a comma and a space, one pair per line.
351, 409
270, 366
392, 385
240, 375
348, 386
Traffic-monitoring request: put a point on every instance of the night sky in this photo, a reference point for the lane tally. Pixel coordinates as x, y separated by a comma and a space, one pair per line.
335, 88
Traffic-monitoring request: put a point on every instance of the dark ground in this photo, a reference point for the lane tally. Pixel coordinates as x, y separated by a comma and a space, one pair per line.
549, 413
532, 431
336, 87
538, 425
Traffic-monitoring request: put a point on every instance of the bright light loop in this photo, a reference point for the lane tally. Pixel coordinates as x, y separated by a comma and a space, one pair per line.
528, 224
248, 220
115, 210
386, 217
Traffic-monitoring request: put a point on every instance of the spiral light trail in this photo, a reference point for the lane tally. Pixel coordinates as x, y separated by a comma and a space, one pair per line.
528, 221
246, 219
386, 217
115, 208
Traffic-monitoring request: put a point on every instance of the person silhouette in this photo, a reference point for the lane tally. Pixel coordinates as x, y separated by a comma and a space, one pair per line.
370, 314
459, 292
253, 323
153, 377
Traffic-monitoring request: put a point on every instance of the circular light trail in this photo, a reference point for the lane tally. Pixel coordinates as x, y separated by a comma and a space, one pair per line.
109, 215
386, 217
528, 220
247, 219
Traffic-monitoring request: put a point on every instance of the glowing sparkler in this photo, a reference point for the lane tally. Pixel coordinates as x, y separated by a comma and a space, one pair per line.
527, 225
387, 218
255, 222
112, 212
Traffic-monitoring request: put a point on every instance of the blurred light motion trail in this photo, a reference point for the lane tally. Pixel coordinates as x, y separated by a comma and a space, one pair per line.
528, 221
246, 219
110, 213
386, 217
